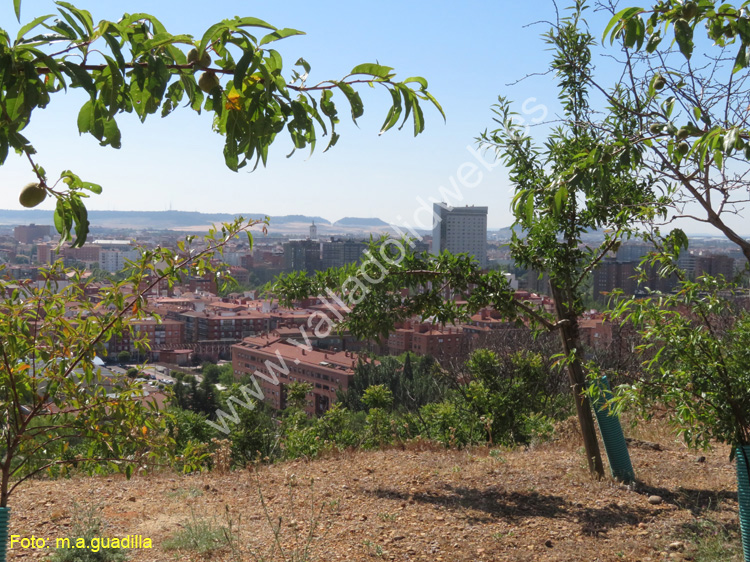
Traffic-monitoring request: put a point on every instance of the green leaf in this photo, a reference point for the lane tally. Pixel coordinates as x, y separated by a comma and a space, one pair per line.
631, 32
86, 117
251, 22
618, 21
137, 17
80, 218
80, 76
740, 61
166, 39
327, 106
653, 42
393, 113
303, 63
334, 139
530, 207
561, 195
63, 219
408, 101
63, 29
730, 139
434, 102
683, 34
418, 79
209, 35
92, 187
31, 25
46, 59
17, 8
372, 69
82, 15
115, 48
280, 34
274, 62
418, 118
73, 24
241, 69
668, 106
354, 100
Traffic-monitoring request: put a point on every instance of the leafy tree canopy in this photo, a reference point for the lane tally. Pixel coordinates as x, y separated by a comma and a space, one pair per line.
685, 81
134, 65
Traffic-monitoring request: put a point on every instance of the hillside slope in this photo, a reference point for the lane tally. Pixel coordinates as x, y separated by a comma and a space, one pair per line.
419, 503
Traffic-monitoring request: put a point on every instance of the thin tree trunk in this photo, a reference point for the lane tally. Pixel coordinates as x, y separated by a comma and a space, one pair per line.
4, 484
570, 341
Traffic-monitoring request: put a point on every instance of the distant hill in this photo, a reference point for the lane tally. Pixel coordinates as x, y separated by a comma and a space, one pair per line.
354, 221
187, 220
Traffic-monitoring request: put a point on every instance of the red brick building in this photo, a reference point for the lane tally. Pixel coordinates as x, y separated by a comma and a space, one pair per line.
164, 334
595, 331
276, 363
428, 339
223, 322
26, 234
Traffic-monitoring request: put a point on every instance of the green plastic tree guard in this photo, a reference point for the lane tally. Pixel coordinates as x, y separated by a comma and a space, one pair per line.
612, 436
743, 492
4, 524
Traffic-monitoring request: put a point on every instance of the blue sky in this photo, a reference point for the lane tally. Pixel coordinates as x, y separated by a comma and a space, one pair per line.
468, 51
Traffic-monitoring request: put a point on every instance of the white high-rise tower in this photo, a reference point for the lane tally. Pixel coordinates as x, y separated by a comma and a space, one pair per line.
460, 230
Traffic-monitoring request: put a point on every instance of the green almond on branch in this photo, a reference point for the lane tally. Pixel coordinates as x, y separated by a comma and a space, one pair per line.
203, 61
32, 195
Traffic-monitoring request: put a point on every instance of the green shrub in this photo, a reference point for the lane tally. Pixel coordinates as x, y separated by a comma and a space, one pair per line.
378, 428
299, 435
341, 428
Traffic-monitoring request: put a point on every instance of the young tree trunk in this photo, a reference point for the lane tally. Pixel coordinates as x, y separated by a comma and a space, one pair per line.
4, 485
570, 341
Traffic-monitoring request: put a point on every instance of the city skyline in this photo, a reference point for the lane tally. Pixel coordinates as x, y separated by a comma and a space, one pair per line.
177, 163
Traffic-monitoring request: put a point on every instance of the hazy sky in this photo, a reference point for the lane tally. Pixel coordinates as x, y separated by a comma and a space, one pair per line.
469, 52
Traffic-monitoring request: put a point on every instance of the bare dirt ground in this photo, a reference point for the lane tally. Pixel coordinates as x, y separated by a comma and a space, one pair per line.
417, 503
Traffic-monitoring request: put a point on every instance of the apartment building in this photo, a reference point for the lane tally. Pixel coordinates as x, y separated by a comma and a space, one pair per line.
460, 230
423, 338
275, 363
226, 324
338, 253
610, 275
302, 255
26, 234
47, 253
114, 254
158, 335
715, 265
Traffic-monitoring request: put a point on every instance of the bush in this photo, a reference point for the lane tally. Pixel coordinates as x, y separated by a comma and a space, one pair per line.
412, 383
300, 435
341, 428
445, 423
504, 394
256, 433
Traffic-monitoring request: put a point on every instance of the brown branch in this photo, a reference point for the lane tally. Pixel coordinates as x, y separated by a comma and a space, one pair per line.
327, 85
77, 460
594, 263
535, 315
